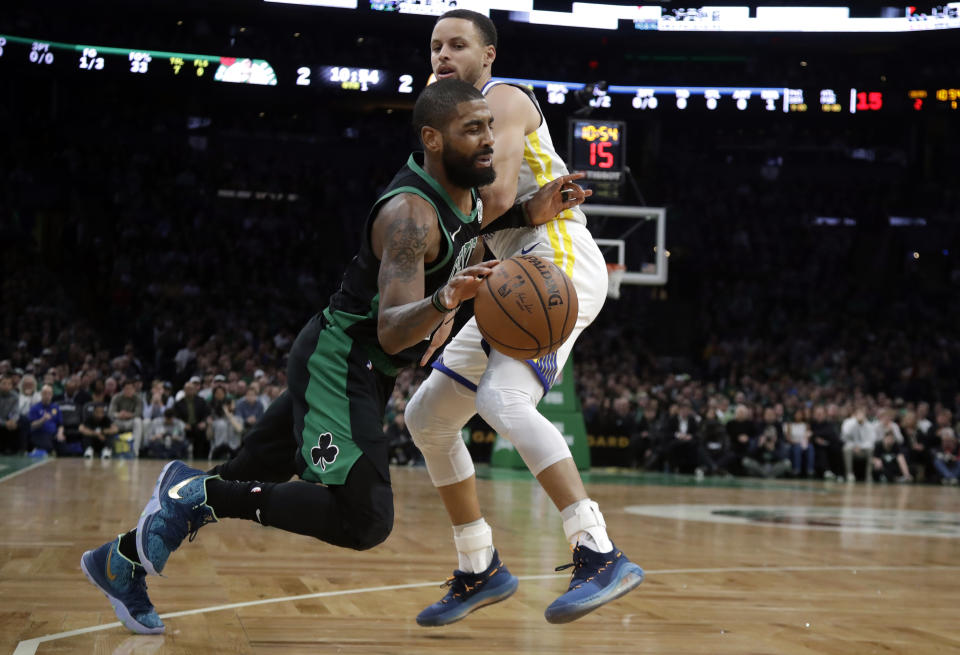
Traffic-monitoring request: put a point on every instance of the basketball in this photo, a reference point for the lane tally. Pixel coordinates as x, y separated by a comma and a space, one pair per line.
526, 308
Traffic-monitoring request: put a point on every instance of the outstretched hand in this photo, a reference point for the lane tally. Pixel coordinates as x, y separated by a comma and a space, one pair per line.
555, 197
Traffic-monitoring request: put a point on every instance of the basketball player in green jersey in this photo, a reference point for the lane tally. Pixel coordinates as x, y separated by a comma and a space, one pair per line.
416, 264
470, 378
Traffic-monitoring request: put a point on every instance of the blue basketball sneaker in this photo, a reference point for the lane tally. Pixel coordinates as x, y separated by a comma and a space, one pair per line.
124, 584
597, 579
469, 592
177, 508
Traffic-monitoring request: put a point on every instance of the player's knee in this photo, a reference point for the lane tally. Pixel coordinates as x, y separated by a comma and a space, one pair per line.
371, 531
427, 427
416, 416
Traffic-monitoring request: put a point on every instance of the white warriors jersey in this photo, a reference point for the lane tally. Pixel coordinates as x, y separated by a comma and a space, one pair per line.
541, 164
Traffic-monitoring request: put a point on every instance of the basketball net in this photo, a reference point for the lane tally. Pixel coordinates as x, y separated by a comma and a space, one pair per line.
615, 274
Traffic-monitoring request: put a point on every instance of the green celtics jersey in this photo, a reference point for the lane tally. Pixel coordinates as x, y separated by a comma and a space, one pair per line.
355, 305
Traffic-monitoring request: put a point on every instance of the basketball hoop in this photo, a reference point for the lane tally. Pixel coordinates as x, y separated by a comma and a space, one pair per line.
615, 275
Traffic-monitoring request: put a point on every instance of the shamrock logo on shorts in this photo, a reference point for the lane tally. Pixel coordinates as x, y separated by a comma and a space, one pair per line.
324, 452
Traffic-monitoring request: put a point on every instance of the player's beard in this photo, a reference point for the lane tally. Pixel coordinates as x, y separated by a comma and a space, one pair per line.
462, 170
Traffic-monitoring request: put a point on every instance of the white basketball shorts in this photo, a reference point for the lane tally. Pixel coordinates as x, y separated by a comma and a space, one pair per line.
570, 246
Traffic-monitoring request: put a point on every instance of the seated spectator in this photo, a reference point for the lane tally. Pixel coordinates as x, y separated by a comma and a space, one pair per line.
46, 425
71, 403
947, 458
249, 409
799, 435
98, 395
98, 432
166, 437
126, 410
889, 464
224, 429
400, 446
715, 454
916, 447
682, 452
827, 447
741, 431
885, 423
768, 456
194, 411
647, 444
10, 426
858, 437
29, 396
158, 402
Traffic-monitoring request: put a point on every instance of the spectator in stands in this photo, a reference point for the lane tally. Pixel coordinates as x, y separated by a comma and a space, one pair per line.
619, 420
682, 450
741, 431
768, 457
647, 444
126, 411
29, 395
97, 395
193, 411
858, 436
224, 429
947, 456
156, 404
10, 426
799, 437
889, 464
46, 425
827, 446
916, 447
400, 444
715, 454
110, 388
923, 421
71, 403
166, 437
886, 423
249, 409
98, 432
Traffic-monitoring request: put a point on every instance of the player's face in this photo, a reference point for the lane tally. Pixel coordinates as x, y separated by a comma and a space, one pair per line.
457, 51
468, 146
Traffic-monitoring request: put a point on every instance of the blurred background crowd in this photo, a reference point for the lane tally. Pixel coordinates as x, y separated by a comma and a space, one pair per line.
148, 306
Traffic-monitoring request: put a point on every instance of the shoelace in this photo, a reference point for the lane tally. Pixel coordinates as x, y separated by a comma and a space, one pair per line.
583, 573
188, 524
459, 586
139, 601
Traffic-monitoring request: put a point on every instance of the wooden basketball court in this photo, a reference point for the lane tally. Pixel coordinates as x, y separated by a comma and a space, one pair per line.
733, 567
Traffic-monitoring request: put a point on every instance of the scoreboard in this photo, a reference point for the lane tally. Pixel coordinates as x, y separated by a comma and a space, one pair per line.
39, 56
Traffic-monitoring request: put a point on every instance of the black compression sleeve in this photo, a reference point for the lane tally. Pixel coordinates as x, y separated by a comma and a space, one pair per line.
516, 216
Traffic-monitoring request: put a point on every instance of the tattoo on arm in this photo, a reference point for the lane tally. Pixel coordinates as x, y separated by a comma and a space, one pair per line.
406, 243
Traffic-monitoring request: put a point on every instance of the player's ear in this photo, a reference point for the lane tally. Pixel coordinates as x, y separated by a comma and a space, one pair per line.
489, 54
431, 138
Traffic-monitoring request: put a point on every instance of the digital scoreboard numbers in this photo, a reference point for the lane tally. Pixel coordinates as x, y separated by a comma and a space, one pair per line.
348, 78
597, 146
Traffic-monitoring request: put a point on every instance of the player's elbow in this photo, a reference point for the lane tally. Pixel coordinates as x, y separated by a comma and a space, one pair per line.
389, 338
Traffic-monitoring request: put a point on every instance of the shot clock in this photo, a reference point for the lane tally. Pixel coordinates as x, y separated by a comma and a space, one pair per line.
597, 146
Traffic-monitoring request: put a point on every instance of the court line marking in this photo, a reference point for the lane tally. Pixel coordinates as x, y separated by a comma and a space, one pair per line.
45, 460
29, 646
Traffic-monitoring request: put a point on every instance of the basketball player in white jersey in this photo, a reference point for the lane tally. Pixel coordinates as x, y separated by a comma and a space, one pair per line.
471, 378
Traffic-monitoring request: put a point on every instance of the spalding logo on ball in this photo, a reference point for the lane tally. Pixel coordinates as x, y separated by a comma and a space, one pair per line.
526, 308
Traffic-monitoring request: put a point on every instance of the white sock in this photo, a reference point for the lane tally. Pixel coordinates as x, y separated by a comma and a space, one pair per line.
474, 545
584, 525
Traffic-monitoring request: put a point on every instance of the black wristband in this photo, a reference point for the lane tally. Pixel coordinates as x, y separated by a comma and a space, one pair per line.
439, 306
514, 217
